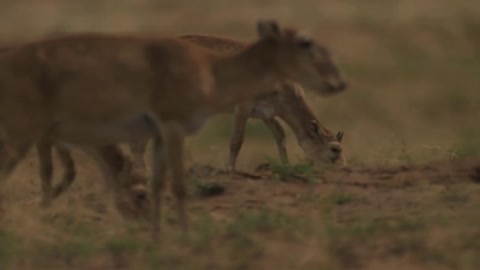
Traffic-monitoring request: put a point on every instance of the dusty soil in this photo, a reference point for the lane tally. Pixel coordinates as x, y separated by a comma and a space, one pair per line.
406, 216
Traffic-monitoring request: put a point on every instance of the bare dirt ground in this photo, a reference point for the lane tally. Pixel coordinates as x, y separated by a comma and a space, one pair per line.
409, 199
360, 217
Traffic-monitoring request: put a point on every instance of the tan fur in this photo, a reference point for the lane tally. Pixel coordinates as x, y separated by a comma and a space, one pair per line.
288, 103
97, 90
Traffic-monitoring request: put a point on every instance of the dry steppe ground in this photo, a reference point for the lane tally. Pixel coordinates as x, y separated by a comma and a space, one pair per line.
409, 199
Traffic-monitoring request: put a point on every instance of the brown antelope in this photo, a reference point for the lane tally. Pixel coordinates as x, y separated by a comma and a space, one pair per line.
134, 193
287, 102
97, 90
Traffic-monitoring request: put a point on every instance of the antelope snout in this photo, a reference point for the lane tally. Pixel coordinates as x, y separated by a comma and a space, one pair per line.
335, 152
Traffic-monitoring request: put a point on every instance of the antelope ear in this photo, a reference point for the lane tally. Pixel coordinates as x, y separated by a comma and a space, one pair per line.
314, 128
339, 136
268, 29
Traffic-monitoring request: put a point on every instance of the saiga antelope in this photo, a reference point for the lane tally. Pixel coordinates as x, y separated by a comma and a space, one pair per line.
97, 90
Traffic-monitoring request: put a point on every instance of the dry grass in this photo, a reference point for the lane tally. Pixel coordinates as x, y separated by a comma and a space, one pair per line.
413, 70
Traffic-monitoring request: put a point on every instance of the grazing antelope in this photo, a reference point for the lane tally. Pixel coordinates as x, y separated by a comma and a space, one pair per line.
98, 90
289, 104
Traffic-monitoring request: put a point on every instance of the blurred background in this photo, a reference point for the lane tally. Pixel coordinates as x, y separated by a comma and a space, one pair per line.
413, 66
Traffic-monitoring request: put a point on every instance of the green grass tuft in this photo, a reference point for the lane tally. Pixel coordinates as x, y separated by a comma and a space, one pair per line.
286, 172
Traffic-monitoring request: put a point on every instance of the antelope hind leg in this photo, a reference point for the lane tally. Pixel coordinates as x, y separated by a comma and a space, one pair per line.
279, 136
242, 113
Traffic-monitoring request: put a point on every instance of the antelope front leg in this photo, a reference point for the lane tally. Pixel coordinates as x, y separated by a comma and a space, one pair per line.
175, 138
279, 135
159, 173
242, 113
69, 171
44, 151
